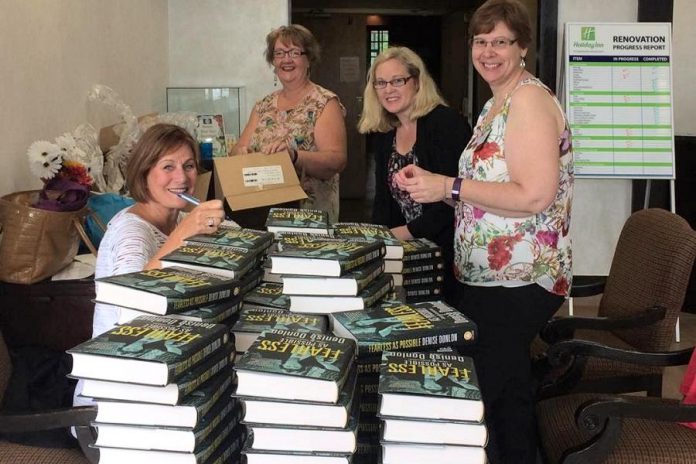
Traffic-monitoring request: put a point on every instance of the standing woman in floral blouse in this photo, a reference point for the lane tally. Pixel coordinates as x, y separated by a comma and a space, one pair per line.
302, 118
512, 202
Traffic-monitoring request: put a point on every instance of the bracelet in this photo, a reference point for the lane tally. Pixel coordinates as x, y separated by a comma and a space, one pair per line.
456, 188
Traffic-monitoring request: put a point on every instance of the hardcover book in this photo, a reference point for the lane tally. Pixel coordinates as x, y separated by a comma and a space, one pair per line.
416, 453
295, 366
312, 221
231, 262
422, 266
254, 321
425, 278
415, 293
404, 327
420, 248
322, 256
149, 350
226, 411
309, 413
329, 304
427, 385
223, 447
350, 284
170, 394
251, 239
267, 295
256, 456
215, 313
301, 438
435, 432
186, 414
164, 291
367, 231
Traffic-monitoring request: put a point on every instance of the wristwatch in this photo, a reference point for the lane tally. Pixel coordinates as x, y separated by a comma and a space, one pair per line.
456, 188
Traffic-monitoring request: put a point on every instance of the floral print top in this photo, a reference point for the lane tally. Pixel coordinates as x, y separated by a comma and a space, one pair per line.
496, 250
299, 122
409, 208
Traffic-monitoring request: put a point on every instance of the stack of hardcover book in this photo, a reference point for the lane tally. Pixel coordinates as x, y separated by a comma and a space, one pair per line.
394, 250
230, 252
163, 392
431, 409
298, 391
394, 325
422, 273
325, 275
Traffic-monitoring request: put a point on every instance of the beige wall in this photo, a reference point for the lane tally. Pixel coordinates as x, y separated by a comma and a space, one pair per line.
52, 53
684, 67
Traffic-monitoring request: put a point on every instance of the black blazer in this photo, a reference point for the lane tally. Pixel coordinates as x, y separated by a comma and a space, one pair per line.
441, 136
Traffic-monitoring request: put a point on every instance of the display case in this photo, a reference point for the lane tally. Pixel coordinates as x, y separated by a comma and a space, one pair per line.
227, 101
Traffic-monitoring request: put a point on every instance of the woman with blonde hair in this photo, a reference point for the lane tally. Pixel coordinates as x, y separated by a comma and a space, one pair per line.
403, 106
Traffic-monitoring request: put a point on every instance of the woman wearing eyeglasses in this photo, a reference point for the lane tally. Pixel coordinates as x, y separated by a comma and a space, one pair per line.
403, 107
512, 200
302, 118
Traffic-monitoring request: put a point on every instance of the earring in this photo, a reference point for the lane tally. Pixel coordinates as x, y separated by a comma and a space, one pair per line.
275, 79
522, 62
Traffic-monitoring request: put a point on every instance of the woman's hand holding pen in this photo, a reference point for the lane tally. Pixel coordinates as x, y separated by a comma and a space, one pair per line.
205, 218
423, 186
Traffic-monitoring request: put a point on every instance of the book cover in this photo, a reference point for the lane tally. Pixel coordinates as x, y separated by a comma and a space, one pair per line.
294, 365
253, 321
322, 256
170, 394
215, 313
251, 239
329, 304
266, 295
420, 248
423, 266
364, 230
403, 327
163, 291
415, 293
232, 262
150, 350
350, 284
211, 130
298, 220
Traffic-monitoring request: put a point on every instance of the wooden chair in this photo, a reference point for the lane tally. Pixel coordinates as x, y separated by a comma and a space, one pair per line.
13, 453
642, 298
616, 429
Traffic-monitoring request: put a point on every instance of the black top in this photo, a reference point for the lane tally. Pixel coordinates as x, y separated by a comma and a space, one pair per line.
441, 136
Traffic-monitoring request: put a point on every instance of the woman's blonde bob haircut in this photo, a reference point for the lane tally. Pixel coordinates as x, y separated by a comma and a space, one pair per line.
156, 142
374, 117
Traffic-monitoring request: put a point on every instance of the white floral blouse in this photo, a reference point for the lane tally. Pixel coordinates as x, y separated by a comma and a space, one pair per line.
496, 250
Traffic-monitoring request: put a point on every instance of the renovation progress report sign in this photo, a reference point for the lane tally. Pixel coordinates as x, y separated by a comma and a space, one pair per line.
618, 83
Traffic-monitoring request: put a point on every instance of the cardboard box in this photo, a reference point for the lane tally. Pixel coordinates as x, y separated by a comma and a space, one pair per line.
253, 180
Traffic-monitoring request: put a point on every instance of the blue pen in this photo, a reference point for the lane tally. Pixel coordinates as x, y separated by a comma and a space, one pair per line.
195, 201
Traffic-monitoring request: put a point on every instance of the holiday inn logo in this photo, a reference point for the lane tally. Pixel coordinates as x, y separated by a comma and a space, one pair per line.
587, 33
588, 39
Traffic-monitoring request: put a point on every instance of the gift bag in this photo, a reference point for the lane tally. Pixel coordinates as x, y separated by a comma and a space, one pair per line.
36, 243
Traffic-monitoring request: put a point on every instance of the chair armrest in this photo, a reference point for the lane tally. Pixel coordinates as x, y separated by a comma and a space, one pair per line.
563, 327
560, 353
587, 285
592, 414
45, 420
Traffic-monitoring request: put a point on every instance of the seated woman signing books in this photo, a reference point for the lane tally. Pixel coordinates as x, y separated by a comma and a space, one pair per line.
164, 163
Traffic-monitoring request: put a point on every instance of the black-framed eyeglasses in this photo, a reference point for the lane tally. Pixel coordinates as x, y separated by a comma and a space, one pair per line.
294, 53
396, 82
499, 43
